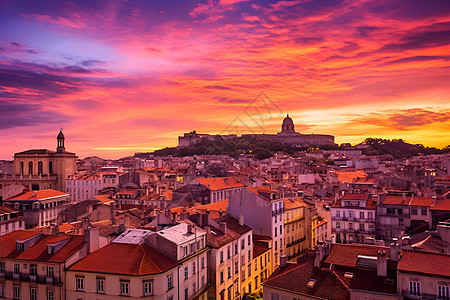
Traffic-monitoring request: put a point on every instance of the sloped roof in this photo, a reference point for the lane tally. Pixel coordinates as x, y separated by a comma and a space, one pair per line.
220, 183
441, 205
37, 195
126, 259
38, 251
347, 255
294, 278
425, 263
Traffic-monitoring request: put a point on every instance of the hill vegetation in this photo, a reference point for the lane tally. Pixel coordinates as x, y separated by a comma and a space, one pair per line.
264, 149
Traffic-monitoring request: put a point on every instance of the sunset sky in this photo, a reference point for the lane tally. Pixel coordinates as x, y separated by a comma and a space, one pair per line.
130, 76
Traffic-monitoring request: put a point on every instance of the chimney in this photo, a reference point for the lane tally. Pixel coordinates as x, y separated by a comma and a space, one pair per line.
91, 238
333, 239
208, 230
223, 227
241, 219
317, 258
283, 261
403, 197
381, 263
190, 229
84, 223
220, 213
434, 199
394, 251
111, 213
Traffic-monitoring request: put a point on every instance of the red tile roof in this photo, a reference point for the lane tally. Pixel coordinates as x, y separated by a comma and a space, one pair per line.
347, 255
220, 183
294, 278
441, 205
126, 259
37, 195
425, 263
409, 200
38, 251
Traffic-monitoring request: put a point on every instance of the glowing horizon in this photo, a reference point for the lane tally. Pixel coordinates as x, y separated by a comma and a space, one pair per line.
131, 77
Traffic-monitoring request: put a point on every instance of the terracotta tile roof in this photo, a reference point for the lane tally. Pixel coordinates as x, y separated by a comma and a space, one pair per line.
104, 199
259, 248
363, 197
38, 251
410, 200
370, 204
347, 255
294, 278
7, 209
425, 263
217, 239
215, 206
128, 259
441, 205
293, 203
365, 180
37, 195
220, 183
368, 280
350, 176
233, 224
263, 192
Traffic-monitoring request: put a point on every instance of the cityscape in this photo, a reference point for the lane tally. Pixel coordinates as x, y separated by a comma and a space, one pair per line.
224, 150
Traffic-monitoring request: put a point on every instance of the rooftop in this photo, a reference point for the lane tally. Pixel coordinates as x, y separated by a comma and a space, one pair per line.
37, 195
425, 263
129, 259
179, 234
220, 183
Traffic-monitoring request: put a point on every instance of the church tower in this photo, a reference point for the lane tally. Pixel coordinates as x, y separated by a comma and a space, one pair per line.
60, 138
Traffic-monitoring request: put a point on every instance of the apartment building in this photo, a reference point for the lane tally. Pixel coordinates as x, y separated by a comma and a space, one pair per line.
10, 220
219, 188
353, 218
83, 187
32, 264
262, 210
40, 208
294, 227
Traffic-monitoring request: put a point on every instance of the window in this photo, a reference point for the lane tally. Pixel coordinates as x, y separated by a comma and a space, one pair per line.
19, 246
236, 267
33, 293
16, 268
248, 240
350, 214
281, 229
50, 271
248, 256
242, 244
147, 288
2, 291
124, 288
49, 249
229, 272
100, 285
228, 252
249, 270
30, 168
443, 292
414, 211
80, 283
40, 168
361, 215
424, 212
370, 215
202, 281
193, 268
169, 281
2, 266
242, 260
33, 269
338, 214
221, 276
275, 296
229, 294
338, 225
235, 249
414, 288
276, 231
221, 256
202, 262
276, 245
361, 226
50, 295
350, 226
194, 288
17, 292
186, 273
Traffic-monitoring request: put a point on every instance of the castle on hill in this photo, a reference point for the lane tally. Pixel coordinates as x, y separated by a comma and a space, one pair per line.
288, 135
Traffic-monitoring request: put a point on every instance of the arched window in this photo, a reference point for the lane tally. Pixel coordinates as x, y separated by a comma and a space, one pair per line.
40, 168
30, 168
50, 168
21, 167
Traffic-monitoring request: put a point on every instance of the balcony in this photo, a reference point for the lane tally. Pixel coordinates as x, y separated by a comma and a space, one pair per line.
407, 295
277, 211
32, 278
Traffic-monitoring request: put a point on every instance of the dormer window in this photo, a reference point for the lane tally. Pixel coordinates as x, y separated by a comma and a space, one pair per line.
19, 246
49, 249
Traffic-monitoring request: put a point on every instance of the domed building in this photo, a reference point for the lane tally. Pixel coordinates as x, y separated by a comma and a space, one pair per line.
288, 135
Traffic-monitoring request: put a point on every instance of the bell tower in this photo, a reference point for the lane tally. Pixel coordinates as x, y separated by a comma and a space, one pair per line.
60, 138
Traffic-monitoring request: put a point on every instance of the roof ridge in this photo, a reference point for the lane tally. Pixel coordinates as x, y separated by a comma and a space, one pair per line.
141, 246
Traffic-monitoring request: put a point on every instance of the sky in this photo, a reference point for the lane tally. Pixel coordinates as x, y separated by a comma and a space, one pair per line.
131, 76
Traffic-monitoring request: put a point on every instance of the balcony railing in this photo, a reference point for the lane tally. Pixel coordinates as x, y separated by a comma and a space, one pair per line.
277, 211
31, 278
408, 295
